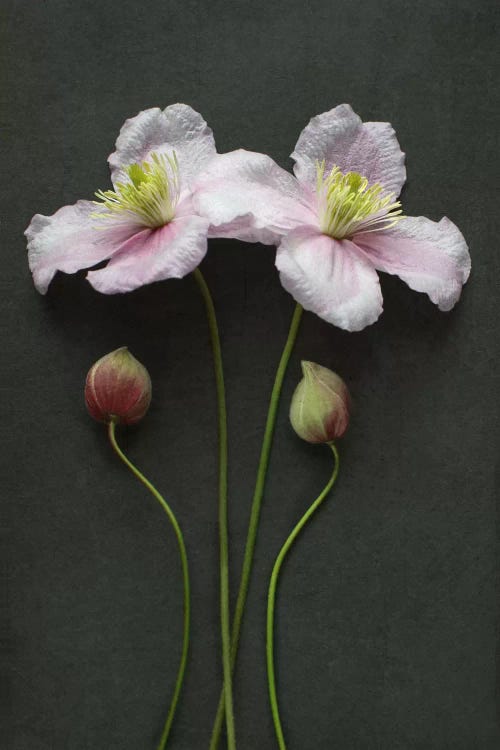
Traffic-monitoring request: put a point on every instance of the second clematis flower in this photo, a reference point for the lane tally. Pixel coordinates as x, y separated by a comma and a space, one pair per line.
147, 226
337, 221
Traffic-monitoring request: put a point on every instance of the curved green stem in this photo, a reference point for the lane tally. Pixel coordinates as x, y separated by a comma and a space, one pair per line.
185, 574
271, 678
223, 520
255, 511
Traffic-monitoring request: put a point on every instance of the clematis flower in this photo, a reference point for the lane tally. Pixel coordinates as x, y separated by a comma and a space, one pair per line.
147, 226
337, 221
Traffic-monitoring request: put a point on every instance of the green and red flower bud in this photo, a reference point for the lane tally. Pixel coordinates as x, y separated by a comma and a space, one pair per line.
118, 388
319, 411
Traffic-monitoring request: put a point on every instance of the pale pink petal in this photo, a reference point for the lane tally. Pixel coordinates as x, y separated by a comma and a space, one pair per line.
169, 252
343, 140
177, 128
430, 256
247, 195
332, 278
69, 240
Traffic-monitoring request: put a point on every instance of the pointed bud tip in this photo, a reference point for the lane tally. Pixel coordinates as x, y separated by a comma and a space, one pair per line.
118, 387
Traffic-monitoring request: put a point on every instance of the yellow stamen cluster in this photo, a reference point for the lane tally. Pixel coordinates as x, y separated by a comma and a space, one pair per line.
347, 205
150, 197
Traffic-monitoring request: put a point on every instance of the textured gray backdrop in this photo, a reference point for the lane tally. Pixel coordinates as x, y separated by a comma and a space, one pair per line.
387, 611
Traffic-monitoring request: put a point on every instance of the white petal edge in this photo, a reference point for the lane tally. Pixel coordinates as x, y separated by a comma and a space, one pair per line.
331, 278
431, 257
68, 241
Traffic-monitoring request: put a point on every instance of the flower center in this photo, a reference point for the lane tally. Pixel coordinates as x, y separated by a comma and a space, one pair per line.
348, 206
151, 195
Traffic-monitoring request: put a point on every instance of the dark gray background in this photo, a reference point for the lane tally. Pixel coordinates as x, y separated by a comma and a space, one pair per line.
387, 611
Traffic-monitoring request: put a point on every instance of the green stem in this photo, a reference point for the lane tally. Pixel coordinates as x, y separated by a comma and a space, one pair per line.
223, 519
185, 574
255, 511
272, 598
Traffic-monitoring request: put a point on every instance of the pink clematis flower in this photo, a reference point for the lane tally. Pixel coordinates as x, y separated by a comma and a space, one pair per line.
338, 221
148, 226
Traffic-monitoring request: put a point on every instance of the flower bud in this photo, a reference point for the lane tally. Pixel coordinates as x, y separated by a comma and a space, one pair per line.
118, 388
319, 411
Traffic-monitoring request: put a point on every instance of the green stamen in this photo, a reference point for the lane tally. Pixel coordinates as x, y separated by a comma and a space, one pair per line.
347, 205
150, 197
